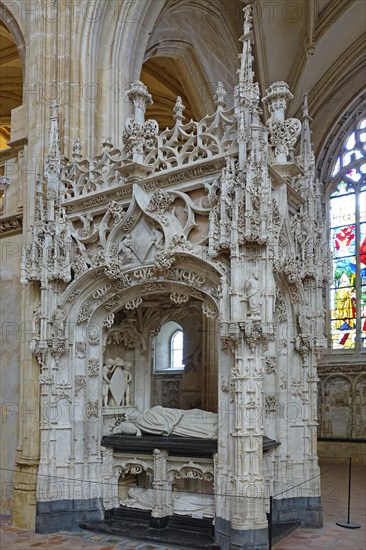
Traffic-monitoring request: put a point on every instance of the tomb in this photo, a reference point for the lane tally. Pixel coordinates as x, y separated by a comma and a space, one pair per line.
179, 326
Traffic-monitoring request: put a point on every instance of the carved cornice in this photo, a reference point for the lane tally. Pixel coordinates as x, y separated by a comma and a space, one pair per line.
13, 149
326, 370
124, 192
11, 224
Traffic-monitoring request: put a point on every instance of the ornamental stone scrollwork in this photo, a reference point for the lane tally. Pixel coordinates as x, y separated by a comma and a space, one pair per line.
79, 383
80, 350
209, 311
271, 362
133, 304
84, 314
108, 321
92, 409
154, 287
123, 281
270, 404
100, 293
144, 274
112, 303
191, 470
185, 276
93, 367
10, 225
179, 297
164, 259
73, 295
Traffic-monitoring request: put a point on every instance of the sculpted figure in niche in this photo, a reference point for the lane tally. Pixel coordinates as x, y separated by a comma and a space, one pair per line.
164, 421
193, 504
253, 294
58, 322
138, 497
305, 319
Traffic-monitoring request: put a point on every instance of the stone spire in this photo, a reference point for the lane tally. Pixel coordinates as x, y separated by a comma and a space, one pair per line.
246, 73
52, 168
306, 147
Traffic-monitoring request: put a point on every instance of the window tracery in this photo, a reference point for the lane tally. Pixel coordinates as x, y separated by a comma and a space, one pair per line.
347, 239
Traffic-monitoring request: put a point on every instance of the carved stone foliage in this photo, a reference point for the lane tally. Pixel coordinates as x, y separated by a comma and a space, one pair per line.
92, 409
93, 367
127, 333
271, 362
270, 404
79, 383
191, 470
280, 306
170, 390
284, 133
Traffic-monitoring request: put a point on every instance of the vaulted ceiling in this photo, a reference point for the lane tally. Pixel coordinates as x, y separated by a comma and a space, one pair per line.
317, 46
11, 82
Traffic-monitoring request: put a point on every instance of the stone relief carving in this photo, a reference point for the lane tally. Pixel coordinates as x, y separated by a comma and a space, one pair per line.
79, 383
170, 390
93, 367
117, 377
127, 333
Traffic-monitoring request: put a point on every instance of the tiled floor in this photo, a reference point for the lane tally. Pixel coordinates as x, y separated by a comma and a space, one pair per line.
334, 499
332, 537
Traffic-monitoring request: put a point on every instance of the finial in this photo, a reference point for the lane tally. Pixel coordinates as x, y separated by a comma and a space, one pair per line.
220, 95
139, 95
178, 110
53, 146
246, 73
306, 148
76, 149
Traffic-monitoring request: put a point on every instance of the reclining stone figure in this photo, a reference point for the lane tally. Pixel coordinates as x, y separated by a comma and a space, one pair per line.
164, 421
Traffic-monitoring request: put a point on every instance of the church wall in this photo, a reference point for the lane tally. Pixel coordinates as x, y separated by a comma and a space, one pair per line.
12, 335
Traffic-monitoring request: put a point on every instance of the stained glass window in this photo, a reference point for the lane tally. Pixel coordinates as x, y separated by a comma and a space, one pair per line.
347, 216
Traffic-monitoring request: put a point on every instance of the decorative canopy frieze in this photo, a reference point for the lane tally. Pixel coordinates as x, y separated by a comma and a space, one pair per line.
11, 224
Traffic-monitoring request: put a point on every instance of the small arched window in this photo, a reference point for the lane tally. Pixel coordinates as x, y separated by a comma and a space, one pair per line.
347, 234
176, 350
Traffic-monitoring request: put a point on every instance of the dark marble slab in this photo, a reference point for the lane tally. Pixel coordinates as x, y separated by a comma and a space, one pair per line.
177, 446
